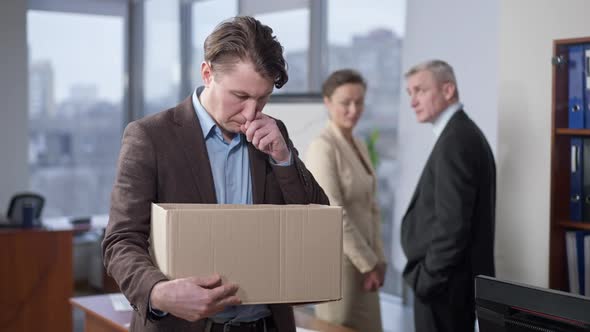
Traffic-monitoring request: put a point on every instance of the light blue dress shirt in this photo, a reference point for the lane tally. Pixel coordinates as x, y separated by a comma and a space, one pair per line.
230, 165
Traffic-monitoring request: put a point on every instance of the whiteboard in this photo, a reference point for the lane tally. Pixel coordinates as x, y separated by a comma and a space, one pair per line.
304, 121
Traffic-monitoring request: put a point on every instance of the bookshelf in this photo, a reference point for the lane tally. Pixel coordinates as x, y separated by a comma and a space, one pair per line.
560, 167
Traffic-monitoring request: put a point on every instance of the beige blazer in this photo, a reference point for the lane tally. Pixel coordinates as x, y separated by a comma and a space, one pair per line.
337, 168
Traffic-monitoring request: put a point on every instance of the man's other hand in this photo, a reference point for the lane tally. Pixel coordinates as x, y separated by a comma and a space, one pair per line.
194, 298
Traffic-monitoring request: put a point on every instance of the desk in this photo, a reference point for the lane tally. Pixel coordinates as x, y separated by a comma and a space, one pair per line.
100, 316
97, 277
36, 280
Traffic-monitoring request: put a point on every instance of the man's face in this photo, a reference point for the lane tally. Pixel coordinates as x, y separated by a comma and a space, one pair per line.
236, 95
427, 96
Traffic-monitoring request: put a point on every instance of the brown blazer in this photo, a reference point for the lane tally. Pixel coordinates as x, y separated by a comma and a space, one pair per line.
164, 159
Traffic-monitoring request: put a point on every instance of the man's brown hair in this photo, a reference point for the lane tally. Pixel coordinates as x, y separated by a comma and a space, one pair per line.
244, 38
341, 77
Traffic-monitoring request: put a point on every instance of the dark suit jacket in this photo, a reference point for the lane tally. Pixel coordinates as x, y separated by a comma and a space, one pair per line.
448, 229
164, 159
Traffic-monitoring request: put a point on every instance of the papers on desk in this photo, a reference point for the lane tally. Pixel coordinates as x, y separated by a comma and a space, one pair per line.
97, 222
301, 329
120, 303
57, 223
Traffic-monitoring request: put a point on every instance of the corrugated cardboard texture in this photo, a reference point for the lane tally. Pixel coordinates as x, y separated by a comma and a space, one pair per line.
276, 253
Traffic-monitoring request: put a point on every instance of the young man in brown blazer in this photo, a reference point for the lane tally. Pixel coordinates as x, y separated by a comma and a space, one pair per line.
448, 229
215, 147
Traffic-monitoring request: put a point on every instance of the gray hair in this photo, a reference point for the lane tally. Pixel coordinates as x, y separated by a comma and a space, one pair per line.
442, 72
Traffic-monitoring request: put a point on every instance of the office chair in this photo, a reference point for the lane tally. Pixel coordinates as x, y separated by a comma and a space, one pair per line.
15, 208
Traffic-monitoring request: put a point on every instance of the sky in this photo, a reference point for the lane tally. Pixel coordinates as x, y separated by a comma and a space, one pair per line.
89, 49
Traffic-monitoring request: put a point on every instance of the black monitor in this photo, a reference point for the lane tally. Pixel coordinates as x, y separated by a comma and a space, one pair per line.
504, 306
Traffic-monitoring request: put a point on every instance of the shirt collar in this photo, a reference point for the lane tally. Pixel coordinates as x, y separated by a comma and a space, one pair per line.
441, 121
206, 121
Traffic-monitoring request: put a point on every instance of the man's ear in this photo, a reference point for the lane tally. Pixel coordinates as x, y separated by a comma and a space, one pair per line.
206, 73
449, 90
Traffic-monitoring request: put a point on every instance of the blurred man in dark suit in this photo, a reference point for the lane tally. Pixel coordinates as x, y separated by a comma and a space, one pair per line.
448, 230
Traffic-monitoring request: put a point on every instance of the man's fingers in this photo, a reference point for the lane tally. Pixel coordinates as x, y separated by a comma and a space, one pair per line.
252, 128
211, 281
264, 144
232, 300
259, 135
223, 291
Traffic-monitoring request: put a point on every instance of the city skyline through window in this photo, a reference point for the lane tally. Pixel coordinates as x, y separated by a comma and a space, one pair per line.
75, 113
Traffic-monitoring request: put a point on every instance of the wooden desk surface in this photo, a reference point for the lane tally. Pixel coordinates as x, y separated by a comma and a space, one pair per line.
99, 307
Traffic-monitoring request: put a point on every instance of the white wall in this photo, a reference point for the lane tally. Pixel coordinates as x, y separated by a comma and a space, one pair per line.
304, 121
465, 34
528, 28
13, 97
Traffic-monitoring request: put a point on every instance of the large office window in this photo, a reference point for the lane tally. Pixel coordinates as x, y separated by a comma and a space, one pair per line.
367, 36
290, 21
161, 55
75, 108
206, 15
291, 27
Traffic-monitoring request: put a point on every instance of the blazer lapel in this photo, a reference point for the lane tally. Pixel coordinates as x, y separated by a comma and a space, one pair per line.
349, 151
258, 162
459, 114
414, 197
190, 138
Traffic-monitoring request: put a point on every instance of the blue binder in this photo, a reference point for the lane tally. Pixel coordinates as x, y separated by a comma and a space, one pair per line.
586, 175
581, 261
576, 178
576, 84
586, 85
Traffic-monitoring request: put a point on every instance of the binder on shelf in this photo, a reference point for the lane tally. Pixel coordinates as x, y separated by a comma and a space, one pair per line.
577, 244
572, 260
586, 179
586, 85
576, 179
580, 235
576, 66
587, 265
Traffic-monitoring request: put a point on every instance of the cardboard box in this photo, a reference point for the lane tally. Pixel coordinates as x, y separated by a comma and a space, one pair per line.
275, 253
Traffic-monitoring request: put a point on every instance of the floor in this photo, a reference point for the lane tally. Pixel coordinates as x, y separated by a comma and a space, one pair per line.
396, 316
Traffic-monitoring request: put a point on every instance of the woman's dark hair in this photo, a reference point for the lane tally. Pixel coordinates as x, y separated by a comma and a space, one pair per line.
341, 77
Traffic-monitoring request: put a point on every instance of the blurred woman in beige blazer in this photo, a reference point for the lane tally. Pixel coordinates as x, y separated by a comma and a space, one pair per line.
340, 163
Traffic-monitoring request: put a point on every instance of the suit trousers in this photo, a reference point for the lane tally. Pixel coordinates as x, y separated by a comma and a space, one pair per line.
451, 311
